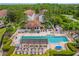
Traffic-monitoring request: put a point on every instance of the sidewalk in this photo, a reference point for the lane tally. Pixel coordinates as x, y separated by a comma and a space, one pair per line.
77, 54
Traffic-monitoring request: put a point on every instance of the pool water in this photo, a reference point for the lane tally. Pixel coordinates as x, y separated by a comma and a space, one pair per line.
57, 39
51, 39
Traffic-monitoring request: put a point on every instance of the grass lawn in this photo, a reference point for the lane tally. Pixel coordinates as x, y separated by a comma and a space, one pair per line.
2, 32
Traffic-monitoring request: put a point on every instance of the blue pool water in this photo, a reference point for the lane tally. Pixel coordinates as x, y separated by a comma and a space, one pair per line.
51, 39
57, 39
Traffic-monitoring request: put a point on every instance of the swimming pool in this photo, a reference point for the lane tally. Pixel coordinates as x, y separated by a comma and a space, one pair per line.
57, 39
51, 39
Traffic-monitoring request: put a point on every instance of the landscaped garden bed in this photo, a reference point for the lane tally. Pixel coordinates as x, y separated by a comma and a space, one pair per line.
2, 31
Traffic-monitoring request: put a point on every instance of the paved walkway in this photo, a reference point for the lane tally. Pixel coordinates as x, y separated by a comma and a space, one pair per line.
1, 52
77, 54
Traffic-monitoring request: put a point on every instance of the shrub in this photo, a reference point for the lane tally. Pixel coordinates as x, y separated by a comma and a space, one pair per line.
11, 50
5, 40
6, 47
60, 53
71, 47
64, 53
77, 40
9, 42
76, 45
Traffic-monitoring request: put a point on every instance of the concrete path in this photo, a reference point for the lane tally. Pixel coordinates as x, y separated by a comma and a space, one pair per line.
77, 54
1, 52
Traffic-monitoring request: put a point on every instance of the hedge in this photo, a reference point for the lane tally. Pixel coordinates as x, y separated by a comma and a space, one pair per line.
71, 47
9, 42
6, 47
5, 40
11, 50
61, 53
64, 53
77, 40
2, 31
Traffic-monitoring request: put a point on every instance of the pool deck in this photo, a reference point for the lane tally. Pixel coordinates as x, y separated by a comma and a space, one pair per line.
43, 34
52, 46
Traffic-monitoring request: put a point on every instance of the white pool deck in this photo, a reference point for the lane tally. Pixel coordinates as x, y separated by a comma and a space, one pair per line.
15, 41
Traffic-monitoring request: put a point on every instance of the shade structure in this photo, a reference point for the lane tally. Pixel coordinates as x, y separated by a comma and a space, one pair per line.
58, 47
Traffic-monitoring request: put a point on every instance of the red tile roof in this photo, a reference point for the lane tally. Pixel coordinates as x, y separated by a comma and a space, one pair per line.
29, 12
33, 24
3, 13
